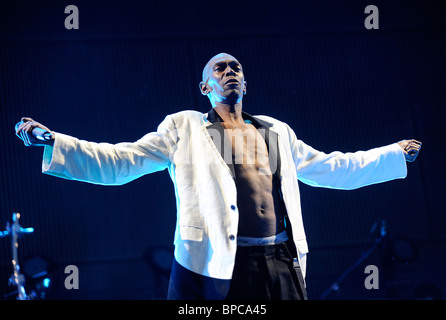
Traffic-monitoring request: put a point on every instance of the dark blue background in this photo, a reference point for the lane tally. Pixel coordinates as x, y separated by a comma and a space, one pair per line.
315, 66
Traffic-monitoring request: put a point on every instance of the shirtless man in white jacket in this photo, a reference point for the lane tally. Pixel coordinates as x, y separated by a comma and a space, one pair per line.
239, 232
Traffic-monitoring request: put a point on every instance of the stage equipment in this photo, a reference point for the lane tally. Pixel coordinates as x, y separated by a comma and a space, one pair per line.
14, 231
378, 228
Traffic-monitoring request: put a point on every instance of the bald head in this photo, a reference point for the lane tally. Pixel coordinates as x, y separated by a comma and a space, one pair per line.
207, 70
223, 80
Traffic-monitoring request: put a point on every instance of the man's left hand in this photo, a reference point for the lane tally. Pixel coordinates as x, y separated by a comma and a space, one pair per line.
411, 148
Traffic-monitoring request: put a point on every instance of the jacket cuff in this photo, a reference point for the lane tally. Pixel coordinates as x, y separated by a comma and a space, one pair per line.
53, 160
399, 165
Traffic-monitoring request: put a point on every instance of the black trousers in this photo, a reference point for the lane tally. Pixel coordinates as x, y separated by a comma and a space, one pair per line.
260, 273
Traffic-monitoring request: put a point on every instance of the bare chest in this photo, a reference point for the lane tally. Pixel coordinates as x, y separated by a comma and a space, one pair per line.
257, 197
249, 150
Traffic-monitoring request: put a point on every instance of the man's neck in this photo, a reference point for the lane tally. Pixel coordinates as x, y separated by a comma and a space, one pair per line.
230, 113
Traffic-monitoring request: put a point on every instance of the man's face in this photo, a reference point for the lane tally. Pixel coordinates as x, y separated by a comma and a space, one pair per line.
223, 79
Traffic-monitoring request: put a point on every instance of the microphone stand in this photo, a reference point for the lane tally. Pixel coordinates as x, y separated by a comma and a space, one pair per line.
15, 230
335, 287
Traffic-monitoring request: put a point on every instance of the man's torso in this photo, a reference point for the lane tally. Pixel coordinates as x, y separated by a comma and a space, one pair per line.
257, 193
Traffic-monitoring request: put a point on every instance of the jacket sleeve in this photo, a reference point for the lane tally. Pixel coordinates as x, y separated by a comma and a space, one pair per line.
110, 164
347, 171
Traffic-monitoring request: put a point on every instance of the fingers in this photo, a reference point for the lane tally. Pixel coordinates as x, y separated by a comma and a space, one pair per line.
413, 145
412, 155
26, 119
412, 149
17, 129
25, 133
24, 130
23, 122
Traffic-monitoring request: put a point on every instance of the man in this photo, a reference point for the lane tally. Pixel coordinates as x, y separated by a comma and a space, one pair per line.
239, 231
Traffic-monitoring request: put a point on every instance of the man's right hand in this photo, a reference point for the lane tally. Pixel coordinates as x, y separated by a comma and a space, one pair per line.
24, 131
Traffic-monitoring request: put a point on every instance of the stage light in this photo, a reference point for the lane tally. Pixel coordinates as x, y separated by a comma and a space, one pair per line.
46, 282
38, 272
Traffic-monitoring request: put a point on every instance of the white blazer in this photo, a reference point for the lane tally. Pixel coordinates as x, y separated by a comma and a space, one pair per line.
189, 145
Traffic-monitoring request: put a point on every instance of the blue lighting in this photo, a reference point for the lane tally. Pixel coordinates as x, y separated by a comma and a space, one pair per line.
46, 282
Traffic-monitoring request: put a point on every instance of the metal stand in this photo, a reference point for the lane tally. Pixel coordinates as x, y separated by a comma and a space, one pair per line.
335, 287
14, 231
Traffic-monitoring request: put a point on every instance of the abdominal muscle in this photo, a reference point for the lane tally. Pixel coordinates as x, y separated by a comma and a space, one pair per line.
258, 199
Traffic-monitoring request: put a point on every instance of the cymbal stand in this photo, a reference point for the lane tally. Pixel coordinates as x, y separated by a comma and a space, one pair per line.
14, 231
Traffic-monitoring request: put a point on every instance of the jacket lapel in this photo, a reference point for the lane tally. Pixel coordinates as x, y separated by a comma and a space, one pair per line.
218, 137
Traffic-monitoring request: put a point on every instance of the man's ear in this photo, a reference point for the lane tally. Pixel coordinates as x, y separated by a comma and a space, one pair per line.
244, 87
205, 88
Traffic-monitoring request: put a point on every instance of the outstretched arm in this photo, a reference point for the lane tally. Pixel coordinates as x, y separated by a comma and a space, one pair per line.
101, 163
352, 170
